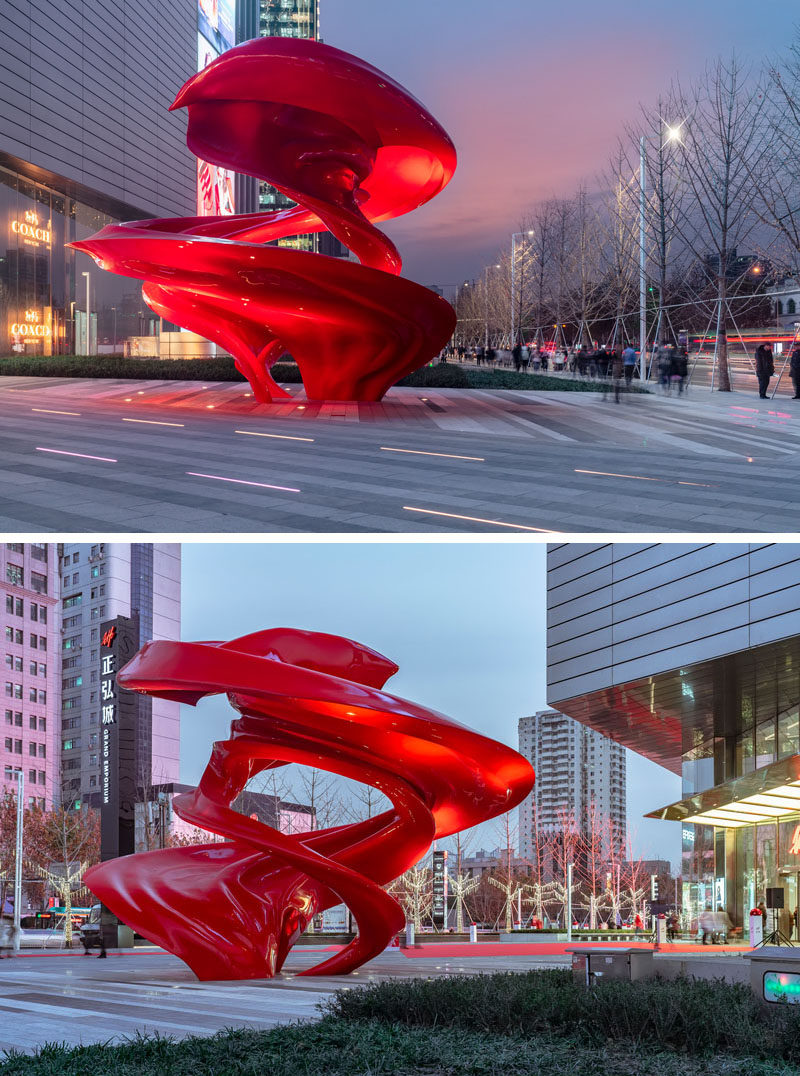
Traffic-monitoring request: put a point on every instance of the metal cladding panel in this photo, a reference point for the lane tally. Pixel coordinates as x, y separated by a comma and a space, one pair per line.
694, 605
86, 91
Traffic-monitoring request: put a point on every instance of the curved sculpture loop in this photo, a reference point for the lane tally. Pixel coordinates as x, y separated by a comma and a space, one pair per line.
232, 910
352, 148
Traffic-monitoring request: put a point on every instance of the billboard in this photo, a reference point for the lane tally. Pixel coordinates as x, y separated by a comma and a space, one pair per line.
215, 185
216, 21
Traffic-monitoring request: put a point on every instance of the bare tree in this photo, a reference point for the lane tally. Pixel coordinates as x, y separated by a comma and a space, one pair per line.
722, 138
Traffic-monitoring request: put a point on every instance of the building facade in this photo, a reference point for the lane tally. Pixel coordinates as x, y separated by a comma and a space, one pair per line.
86, 139
580, 778
100, 582
690, 655
30, 624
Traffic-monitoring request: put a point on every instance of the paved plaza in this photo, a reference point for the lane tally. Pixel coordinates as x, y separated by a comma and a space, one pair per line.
75, 999
113, 456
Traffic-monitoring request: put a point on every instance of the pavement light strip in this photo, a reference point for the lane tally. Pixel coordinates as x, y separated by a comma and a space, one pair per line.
445, 455
48, 411
642, 478
478, 519
278, 436
80, 455
242, 482
153, 422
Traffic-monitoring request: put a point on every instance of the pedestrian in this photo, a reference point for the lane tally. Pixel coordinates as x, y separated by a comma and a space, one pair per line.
638, 923
490, 356
765, 368
629, 362
794, 370
665, 367
679, 368
516, 356
544, 362
617, 374
6, 938
707, 925
525, 358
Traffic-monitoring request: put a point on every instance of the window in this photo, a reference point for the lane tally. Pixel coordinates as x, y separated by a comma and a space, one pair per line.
71, 601
17, 664
68, 745
92, 760
791, 307
75, 558
42, 779
38, 583
42, 724
92, 781
32, 668
94, 635
15, 547
42, 751
42, 614
10, 603
9, 717
93, 676
39, 551
17, 691
32, 776
42, 669
42, 642
70, 704
70, 723
19, 607
9, 744
72, 643
71, 764
17, 747
32, 749
34, 611
14, 574
32, 694
95, 571
33, 640
10, 661
9, 635
18, 718
9, 689
780, 308
32, 723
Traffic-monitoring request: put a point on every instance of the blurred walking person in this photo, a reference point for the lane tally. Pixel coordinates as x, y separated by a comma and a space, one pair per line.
794, 370
765, 368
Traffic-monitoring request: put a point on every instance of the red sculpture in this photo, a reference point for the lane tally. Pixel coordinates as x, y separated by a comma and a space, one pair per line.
232, 910
351, 147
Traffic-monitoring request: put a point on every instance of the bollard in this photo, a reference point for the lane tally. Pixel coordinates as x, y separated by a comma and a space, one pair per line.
409, 935
473, 934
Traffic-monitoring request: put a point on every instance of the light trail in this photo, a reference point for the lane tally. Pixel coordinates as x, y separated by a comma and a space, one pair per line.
278, 436
445, 455
243, 482
478, 519
644, 478
152, 422
80, 455
47, 411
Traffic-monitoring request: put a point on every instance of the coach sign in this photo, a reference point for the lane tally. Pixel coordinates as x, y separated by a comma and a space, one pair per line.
118, 714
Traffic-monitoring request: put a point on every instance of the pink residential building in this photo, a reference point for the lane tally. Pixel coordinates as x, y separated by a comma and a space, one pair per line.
30, 608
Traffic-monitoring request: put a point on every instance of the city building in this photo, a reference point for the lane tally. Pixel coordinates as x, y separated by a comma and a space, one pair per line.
580, 779
87, 139
276, 812
296, 19
483, 862
98, 583
690, 655
30, 619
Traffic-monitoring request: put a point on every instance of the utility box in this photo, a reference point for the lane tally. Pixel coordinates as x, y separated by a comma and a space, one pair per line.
775, 974
591, 964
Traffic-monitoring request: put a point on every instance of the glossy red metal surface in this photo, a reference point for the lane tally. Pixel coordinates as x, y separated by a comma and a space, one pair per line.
351, 147
232, 910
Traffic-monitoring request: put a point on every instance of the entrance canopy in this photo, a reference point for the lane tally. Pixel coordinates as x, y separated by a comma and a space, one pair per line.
764, 796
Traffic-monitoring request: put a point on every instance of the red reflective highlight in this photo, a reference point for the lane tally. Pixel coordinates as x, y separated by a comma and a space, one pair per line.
233, 910
351, 147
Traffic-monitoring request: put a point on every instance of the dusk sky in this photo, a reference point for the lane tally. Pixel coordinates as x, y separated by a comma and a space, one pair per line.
533, 95
465, 622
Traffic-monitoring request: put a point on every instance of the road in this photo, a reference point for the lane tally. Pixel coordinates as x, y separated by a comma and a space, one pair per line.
165, 457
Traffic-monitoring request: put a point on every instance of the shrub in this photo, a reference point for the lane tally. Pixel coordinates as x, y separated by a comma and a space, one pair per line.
686, 1015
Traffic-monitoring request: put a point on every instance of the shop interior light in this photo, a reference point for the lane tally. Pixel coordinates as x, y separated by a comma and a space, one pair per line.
766, 806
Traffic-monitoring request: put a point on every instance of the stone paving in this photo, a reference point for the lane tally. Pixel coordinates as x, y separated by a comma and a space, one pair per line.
75, 999
161, 457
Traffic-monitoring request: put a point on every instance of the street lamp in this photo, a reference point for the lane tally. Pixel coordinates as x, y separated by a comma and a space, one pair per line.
115, 328
18, 859
514, 237
672, 133
486, 301
88, 335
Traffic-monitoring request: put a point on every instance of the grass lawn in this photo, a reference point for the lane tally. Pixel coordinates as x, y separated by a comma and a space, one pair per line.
442, 375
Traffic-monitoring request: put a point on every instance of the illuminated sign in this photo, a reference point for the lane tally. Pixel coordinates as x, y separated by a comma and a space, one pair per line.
794, 846
31, 231
109, 636
215, 185
31, 326
782, 986
439, 910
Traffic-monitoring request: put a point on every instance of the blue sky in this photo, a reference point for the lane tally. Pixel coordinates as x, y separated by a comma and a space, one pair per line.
534, 95
466, 623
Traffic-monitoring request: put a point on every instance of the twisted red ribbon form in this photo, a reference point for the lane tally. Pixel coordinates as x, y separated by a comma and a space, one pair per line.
233, 910
351, 147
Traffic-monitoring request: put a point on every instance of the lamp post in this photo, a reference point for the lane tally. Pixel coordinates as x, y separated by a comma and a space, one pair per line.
115, 328
88, 315
18, 860
673, 134
514, 237
569, 902
486, 302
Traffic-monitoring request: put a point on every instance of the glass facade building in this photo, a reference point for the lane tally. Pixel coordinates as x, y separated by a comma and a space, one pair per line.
690, 655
